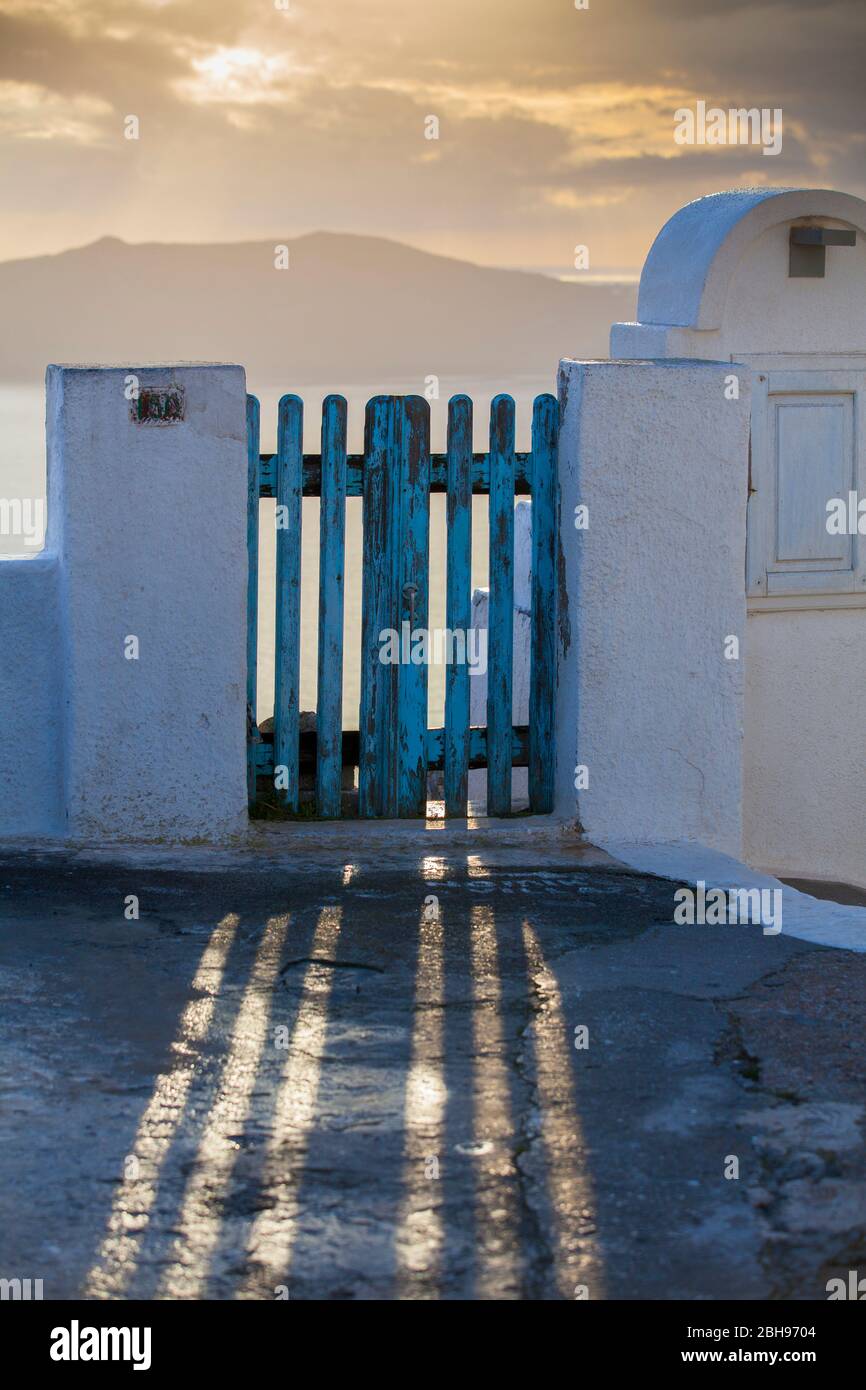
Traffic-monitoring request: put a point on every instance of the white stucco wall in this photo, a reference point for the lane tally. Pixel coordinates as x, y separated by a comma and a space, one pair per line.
654, 586
716, 284
150, 522
30, 697
805, 787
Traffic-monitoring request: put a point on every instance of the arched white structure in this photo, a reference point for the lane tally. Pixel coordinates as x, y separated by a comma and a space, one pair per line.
715, 283
717, 287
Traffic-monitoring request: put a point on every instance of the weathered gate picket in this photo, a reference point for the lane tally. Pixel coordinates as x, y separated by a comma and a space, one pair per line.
393, 748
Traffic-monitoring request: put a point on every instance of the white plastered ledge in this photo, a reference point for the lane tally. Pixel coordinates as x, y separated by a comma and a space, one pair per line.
803, 917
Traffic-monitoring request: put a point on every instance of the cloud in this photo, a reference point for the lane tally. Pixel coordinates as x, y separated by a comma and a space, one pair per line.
31, 112
240, 77
551, 119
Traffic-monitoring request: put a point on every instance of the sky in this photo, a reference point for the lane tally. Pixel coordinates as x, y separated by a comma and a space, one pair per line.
271, 118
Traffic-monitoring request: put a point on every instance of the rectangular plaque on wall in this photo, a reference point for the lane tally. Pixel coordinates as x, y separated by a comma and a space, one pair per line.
159, 405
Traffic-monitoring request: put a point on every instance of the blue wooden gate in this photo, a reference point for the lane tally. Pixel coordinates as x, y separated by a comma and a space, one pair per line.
393, 749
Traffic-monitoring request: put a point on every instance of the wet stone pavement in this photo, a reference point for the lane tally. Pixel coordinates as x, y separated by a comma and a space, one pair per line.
433, 1079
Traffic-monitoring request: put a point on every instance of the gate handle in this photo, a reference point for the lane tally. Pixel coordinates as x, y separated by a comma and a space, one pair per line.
410, 593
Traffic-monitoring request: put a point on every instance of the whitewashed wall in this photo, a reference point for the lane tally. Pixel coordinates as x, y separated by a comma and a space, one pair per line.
716, 285
804, 759
31, 697
146, 540
648, 702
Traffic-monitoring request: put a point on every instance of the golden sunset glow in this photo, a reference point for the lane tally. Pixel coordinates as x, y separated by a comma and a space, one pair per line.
257, 120
236, 77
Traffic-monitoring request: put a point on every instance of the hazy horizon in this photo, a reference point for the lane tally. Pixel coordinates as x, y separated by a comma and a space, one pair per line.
612, 276
328, 307
554, 125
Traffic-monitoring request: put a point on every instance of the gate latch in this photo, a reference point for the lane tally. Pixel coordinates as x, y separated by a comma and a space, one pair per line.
410, 594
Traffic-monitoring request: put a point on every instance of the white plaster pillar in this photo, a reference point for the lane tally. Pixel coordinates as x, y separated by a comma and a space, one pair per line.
31, 686
149, 520
647, 700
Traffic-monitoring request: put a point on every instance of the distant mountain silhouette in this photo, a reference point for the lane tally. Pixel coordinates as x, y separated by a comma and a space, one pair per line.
349, 309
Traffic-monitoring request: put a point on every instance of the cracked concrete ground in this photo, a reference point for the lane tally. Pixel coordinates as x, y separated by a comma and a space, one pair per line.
370, 1081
